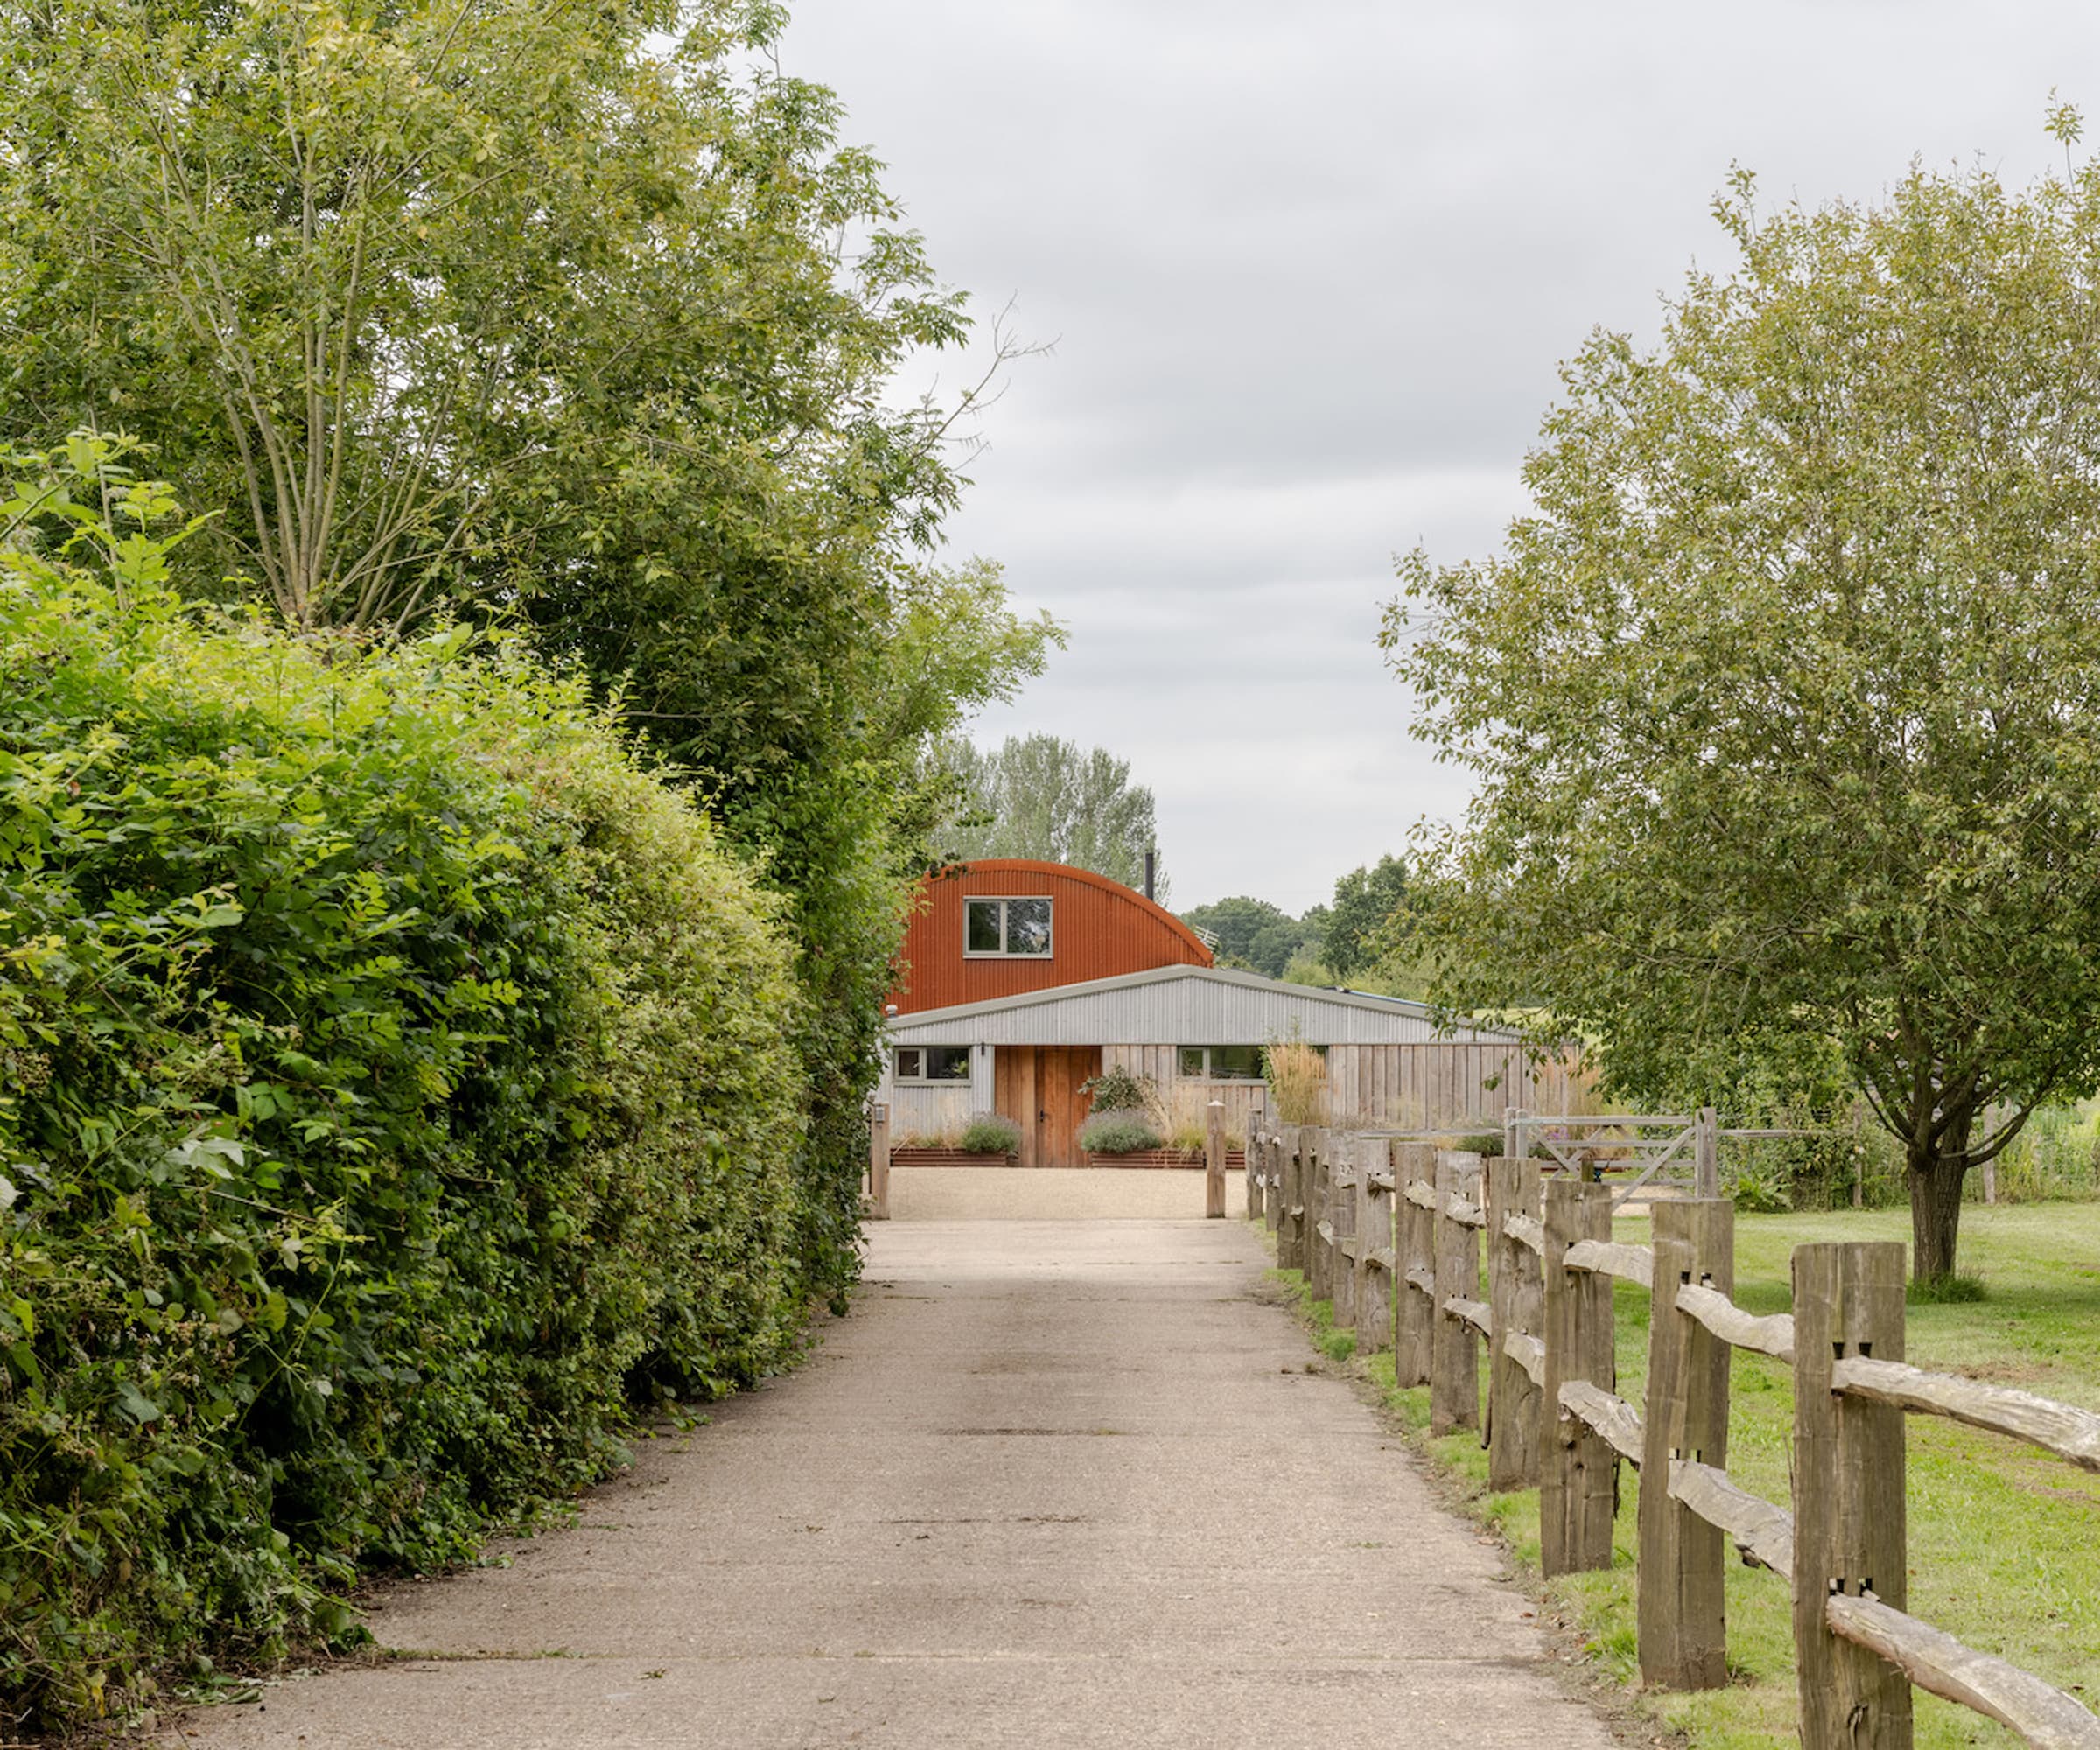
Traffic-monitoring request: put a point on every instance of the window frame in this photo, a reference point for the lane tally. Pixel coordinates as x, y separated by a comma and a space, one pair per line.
1208, 1074
1003, 900
926, 1053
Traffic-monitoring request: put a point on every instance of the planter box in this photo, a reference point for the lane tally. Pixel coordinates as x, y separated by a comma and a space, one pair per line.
947, 1157
1235, 1159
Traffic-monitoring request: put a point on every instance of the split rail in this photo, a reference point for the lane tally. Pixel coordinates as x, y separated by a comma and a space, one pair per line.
1391, 1232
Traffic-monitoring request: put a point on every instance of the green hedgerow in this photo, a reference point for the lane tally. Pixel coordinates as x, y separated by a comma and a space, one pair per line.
395, 1089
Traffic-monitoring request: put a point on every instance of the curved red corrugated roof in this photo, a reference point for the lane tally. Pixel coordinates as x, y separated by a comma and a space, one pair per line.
1098, 929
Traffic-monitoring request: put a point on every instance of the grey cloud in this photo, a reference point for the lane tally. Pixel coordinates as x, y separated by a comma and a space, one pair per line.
1114, 538
1311, 272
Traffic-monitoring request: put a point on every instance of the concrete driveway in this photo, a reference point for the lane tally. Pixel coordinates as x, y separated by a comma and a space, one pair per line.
1054, 1483
1053, 1193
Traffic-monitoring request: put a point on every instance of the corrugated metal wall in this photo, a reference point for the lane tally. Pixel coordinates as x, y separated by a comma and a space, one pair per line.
934, 1110
1098, 929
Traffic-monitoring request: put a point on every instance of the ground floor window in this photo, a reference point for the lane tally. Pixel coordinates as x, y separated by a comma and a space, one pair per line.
933, 1063
1221, 1062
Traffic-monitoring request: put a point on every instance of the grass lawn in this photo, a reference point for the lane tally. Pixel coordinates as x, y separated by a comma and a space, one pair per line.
2005, 1539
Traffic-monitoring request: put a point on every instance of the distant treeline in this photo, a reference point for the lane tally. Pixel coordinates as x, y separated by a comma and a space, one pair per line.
1353, 938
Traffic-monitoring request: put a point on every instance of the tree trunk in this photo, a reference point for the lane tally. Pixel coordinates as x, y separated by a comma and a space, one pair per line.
1934, 1181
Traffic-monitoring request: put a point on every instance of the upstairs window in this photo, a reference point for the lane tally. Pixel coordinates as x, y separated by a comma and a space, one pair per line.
1220, 1062
933, 1063
1010, 928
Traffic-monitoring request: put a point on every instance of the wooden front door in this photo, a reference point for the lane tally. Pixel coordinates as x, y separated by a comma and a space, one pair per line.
1038, 1086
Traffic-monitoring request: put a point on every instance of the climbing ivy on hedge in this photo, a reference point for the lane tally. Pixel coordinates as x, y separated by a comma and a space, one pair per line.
397, 1087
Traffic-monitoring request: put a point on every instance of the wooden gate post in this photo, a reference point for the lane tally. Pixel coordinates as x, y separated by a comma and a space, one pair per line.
1291, 1214
1272, 1171
1707, 1154
1214, 1161
1849, 1534
1683, 1559
1455, 1371
1320, 1174
1579, 1483
1516, 1301
1414, 1317
878, 1161
1374, 1246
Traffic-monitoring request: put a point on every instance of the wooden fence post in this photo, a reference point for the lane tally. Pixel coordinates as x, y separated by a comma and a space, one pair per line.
1374, 1235
1579, 1482
1272, 1171
878, 1161
1214, 1161
1455, 1371
1682, 1610
1343, 1275
1849, 1534
1320, 1176
1414, 1319
1516, 1301
1253, 1160
1291, 1216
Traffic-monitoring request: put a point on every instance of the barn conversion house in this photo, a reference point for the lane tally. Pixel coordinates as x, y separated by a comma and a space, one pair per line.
1024, 980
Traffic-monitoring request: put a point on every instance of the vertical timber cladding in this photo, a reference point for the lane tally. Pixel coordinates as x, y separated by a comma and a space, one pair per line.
1039, 1087
1160, 1065
1447, 1084
1441, 1084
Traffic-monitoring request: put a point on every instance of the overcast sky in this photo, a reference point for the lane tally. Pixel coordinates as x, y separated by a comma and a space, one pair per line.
1310, 272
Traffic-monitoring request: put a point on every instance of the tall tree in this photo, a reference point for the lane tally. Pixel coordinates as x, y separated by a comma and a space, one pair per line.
1365, 900
581, 316
1253, 932
1037, 796
1784, 699
459, 297
953, 643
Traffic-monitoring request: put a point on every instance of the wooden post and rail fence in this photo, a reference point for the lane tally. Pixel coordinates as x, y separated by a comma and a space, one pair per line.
1391, 1232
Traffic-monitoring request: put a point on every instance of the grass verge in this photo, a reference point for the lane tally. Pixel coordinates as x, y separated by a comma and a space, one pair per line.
2005, 1539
